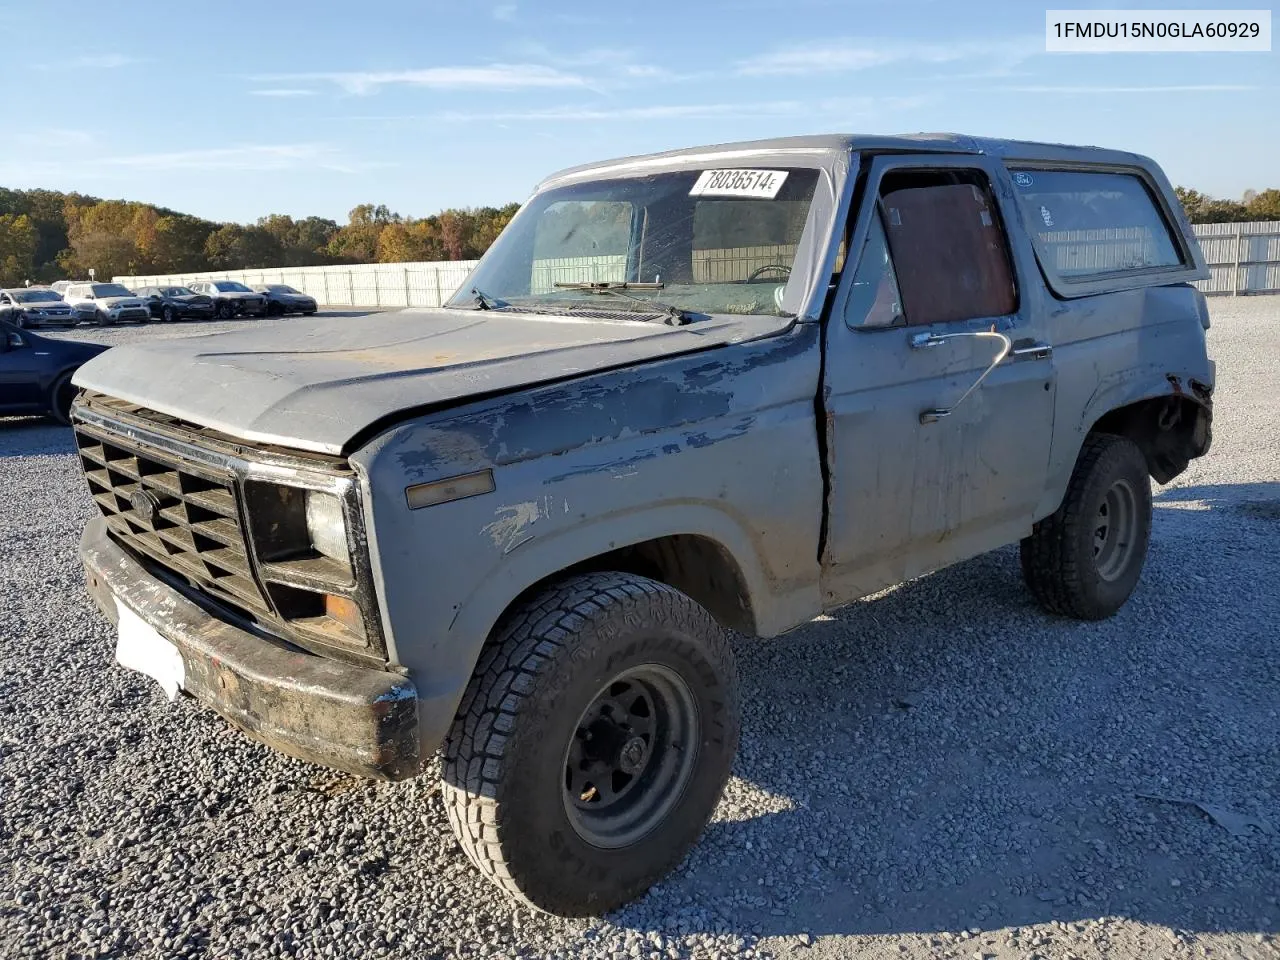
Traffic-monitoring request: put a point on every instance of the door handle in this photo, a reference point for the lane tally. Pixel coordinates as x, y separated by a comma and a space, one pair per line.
1031, 351
922, 341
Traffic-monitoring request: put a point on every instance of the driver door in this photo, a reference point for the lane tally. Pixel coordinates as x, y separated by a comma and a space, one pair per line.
19, 376
919, 480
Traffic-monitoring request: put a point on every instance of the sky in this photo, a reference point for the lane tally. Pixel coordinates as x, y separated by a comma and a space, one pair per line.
233, 110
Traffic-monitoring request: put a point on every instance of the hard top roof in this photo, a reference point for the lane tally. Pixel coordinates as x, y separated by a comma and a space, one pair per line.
832, 144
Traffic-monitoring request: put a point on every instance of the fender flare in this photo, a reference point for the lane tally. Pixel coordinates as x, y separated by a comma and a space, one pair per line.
1147, 384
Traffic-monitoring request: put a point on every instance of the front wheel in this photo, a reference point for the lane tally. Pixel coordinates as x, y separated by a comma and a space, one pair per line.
102, 319
226, 311
60, 398
593, 742
1084, 560
168, 315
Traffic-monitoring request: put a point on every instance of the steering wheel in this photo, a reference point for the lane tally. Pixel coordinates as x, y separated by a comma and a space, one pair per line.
758, 273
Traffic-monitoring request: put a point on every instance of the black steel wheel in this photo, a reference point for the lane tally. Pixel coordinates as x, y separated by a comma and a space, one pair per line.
593, 742
630, 756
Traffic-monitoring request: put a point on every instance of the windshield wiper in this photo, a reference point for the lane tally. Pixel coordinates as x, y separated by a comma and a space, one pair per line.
483, 301
674, 314
605, 286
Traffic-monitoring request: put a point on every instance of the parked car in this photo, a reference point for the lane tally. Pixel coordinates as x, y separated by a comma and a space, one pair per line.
35, 371
35, 307
60, 286
282, 299
106, 303
231, 299
523, 526
176, 303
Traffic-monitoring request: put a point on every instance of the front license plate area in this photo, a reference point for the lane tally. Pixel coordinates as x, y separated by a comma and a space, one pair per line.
140, 647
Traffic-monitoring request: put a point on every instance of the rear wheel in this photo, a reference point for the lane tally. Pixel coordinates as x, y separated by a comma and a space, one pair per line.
60, 397
593, 742
1085, 559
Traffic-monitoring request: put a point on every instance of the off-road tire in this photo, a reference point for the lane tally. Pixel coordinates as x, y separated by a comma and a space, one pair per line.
1058, 562
505, 757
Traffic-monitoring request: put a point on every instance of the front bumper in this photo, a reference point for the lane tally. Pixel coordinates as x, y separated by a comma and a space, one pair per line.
130, 313
356, 719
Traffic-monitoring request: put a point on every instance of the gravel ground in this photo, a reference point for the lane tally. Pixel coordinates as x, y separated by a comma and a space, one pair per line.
941, 770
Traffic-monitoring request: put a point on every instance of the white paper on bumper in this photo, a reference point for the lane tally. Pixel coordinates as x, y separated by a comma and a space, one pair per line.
140, 647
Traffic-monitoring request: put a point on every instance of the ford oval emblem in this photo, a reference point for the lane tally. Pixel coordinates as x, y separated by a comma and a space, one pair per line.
145, 504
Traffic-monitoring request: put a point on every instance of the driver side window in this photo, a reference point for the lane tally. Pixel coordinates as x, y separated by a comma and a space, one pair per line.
874, 299
936, 252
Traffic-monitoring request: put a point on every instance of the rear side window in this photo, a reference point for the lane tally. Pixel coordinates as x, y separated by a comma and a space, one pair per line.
1093, 224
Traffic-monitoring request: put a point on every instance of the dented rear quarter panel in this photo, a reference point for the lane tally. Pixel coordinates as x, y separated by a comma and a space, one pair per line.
1114, 349
719, 443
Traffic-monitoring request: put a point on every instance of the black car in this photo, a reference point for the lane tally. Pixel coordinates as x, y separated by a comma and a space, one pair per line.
231, 298
35, 371
177, 303
282, 299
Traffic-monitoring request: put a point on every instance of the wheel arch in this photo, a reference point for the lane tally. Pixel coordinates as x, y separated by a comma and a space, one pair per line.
1168, 415
1170, 419
693, 547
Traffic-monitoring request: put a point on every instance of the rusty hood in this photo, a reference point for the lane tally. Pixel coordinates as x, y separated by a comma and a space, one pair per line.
318, 384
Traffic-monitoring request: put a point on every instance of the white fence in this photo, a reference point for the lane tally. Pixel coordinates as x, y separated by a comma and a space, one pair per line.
1244, 258
426, 284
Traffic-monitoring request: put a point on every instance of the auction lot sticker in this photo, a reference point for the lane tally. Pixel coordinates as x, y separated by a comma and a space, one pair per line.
739, 183
1157, 31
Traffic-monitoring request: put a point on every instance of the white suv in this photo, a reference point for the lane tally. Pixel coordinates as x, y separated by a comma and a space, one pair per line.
106, 303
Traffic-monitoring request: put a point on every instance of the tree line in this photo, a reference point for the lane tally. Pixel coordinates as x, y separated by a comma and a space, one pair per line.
46, 235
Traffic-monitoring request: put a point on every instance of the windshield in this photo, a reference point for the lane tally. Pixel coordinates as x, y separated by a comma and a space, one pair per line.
283, 288
110, 290
230, 286
713, 241
177, 292
35, 296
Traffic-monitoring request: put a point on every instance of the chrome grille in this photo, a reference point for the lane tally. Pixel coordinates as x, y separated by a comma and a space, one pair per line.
194, 524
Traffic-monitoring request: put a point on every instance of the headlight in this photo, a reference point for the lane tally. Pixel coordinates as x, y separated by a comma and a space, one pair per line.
326, 526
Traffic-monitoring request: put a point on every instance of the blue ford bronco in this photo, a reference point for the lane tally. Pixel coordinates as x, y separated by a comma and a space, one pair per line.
713, 390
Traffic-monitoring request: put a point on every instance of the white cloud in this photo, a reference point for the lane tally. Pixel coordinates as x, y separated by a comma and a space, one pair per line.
495, 76
505, 12
251, 157
841, 56
1184, 88
829, 107
282, 92
102, 61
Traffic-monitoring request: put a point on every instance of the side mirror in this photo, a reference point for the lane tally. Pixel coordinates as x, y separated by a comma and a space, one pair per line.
14, 342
